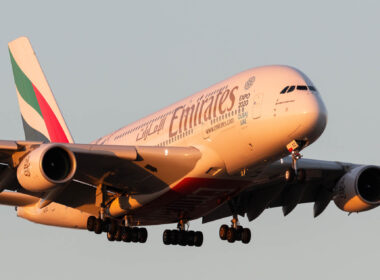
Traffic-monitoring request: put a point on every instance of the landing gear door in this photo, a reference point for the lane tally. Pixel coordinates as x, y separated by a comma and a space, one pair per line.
257, 102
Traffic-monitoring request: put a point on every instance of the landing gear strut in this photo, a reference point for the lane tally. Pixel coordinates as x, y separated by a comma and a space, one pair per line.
182, 237
294, 173
235, 232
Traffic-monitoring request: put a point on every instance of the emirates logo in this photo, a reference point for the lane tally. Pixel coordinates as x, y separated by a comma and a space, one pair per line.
249, 83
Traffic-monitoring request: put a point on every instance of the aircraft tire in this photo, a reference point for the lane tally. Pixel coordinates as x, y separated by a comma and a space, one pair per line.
166, 237
198, 239
223, 232
190, 236
142, 235
110, 236
182, 238
238, 232
246, 235
231, 235
98, 226
91, 223
118, 233
135, 234
174, 237
127, 234
112, 227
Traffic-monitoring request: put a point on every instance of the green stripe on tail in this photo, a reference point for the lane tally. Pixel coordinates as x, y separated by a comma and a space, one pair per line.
24, 86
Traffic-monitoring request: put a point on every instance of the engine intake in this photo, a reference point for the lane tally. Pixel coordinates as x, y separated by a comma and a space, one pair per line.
359, 189
46, 167
56, 164
368, 185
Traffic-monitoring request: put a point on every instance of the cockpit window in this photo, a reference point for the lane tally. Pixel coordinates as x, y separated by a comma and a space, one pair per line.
302, 87
298, 87
291, 88
284, 90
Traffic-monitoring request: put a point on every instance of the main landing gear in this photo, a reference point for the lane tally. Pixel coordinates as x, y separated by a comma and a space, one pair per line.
235, 232
182, 236
116, 232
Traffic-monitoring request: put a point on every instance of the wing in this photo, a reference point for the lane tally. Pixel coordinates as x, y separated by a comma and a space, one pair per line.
121, 169
269, 189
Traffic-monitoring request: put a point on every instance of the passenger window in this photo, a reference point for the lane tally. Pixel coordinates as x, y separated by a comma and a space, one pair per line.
302, 87
291, 89
284, 90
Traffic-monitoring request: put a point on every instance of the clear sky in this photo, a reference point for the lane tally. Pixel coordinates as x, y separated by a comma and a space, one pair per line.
110, 63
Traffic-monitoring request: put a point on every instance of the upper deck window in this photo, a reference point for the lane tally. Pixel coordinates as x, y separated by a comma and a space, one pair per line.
284, 90
301, 87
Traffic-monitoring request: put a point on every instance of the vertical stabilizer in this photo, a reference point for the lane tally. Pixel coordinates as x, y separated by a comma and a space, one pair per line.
40, 114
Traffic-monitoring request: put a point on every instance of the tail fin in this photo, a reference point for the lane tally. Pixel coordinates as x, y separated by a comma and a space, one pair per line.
40, 114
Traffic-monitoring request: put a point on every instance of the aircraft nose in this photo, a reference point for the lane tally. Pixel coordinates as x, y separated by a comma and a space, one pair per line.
313, 116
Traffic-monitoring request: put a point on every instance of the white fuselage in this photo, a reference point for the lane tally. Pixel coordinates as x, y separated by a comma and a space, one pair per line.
237, 124
244, 119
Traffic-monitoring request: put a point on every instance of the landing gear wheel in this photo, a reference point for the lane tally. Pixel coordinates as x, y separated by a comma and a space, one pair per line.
246, 235
231, 235
135, 235
118, 233
238, 232
142, 235
289, 175
110, 236
91, 223
98, 226
198, 239
112, 227
182, 238
174, 237
166, 237
127, 234
190, 238
223, 232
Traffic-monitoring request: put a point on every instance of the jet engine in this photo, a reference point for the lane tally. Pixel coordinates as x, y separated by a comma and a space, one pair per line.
359, 189
46, 167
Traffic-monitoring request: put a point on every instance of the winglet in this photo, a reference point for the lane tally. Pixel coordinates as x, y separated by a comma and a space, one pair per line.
40, 114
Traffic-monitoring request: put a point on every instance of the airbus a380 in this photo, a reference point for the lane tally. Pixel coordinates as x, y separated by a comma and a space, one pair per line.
230, 150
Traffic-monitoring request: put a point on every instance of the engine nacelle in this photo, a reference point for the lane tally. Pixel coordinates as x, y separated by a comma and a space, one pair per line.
359, 189
54, 215
46, 167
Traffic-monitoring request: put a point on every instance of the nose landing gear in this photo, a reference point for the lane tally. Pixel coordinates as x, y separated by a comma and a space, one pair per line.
294, 174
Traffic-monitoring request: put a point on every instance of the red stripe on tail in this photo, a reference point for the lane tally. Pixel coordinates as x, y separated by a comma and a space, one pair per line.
53, 126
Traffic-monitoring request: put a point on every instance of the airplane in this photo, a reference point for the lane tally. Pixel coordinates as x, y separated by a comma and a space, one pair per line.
231, 150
